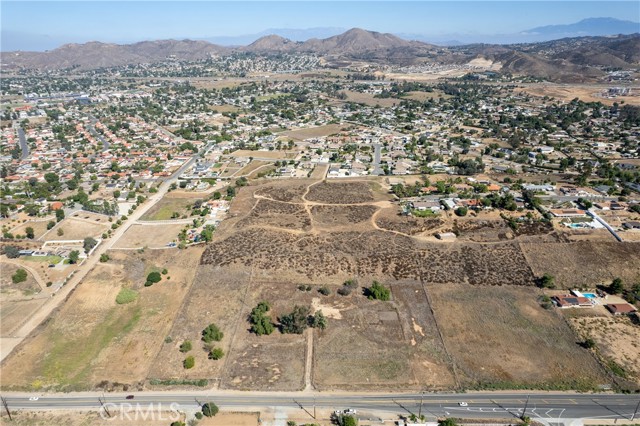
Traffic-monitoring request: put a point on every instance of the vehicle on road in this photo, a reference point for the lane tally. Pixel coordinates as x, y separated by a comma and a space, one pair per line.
130, 396
462, 404
33, 398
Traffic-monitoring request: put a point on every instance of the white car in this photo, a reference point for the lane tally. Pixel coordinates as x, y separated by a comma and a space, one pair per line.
462, 404
33, 398
350, 411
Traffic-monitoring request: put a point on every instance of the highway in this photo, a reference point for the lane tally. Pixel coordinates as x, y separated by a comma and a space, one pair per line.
547, 407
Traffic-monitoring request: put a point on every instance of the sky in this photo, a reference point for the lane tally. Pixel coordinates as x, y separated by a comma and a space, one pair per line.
40, 25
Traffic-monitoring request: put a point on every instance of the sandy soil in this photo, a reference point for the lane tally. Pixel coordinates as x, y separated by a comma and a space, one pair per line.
152, 236
78, 229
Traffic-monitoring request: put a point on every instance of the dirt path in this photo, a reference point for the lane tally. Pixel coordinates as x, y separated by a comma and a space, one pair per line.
309, 361
33, 272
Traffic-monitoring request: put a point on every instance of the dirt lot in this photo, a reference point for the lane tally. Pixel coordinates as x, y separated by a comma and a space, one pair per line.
275, 155
165, 208
9, 290
369, 100
39, 228
13, 314
584, 263
92, 339
515, 342
78, 229
152, 236
352, 192
313, 132
588, 93
617, 339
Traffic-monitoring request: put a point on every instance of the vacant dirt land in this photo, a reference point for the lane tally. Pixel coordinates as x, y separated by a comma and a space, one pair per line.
274, 155
584, 263
10, 290
514, 341
369, 100
15, 312
584, 93
313, 132
78, 229
39, 228
617, 339
92, 339
152, 236
169, 207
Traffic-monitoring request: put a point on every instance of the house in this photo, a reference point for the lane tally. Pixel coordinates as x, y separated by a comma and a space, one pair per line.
634, 224
567, 212
426, 205
56, 205
621, 308
568, 301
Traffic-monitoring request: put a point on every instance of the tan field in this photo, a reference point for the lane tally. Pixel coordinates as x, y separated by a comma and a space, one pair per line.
313, 132
152, 236
78, 229
586, 93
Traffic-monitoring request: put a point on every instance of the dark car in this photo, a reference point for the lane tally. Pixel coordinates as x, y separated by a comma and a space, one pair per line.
129, 396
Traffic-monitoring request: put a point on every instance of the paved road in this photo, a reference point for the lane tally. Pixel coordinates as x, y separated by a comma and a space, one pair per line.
377, 170
8, 344
92, 129
23, 143
549, 407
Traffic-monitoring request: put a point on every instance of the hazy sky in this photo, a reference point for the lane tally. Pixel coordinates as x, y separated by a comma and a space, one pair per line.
48, 24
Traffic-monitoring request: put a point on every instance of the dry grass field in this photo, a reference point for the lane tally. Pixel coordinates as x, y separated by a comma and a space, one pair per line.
39, 228
77, 229
312, 132
10, 290
165, 208
586, 93
500, 337
274, 155
15, 312
584, 263
94, 341
152, 236
369, 100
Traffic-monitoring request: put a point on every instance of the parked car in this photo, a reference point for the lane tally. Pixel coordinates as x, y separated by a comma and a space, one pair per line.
130, 396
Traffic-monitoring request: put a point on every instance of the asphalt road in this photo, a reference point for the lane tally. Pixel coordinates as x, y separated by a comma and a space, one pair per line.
549, 407
377, 170
94, 132
23, 143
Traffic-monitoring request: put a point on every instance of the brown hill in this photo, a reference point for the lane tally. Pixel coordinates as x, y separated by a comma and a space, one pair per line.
271, 43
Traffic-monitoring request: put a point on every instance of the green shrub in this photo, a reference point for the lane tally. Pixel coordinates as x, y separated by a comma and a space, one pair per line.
19, 276
216, 353
378, 291
212, 333
186, 346
152, 278
210, 409
189, 362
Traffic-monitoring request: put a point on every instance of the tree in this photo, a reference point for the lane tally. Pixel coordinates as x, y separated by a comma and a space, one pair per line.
152, 278
50, 224
216, 353
210, 409
260, 322
12, 252
318, 320
546, 281
186, 346
616, 286
60, 232
378, 291
212, 333
29, 232
461, 211
295, 322
189, 362
116, 194
448, 422
19, 276
89, 243
59, 215
74, 256
104, 257
348, 420
589, 343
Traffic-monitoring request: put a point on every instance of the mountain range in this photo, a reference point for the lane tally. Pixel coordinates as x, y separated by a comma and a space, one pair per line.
569, 59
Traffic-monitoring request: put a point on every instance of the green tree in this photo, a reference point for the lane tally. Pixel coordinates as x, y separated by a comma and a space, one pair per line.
448, 422
348, 420
189, 362
19, 276
296, 321
461, 211
50, 224
216, 353
74, 256
546, 281
210, 409
260, 322
104, 257
212, 333
589, 343
186, 346
59, 215
616, 286
12, 252
29, 232
88, 244
318, 320
152, 278
378, 291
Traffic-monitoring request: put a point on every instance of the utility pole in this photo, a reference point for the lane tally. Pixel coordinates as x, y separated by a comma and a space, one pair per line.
420, 409
524, 413
633, 415
6, 407
106, 410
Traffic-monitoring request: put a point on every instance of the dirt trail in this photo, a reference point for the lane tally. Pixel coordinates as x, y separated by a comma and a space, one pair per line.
309, 361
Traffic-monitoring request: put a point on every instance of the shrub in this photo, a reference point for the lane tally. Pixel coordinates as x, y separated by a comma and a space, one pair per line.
104, 257
212, 333
324, 290
189, 362
589, 343
199, 415
210, 409
165, 271
186, 346
216, 353
318, 320
152, 278
126, 295
50, 224
29, 233
616, 286
546, 281
295, 322
461, 211
74, 256
378, 291
12, 252
88, 244
19, 276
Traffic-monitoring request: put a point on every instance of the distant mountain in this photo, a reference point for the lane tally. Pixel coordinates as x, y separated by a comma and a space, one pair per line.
97, 55
566, 60
288, 33
586, 27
